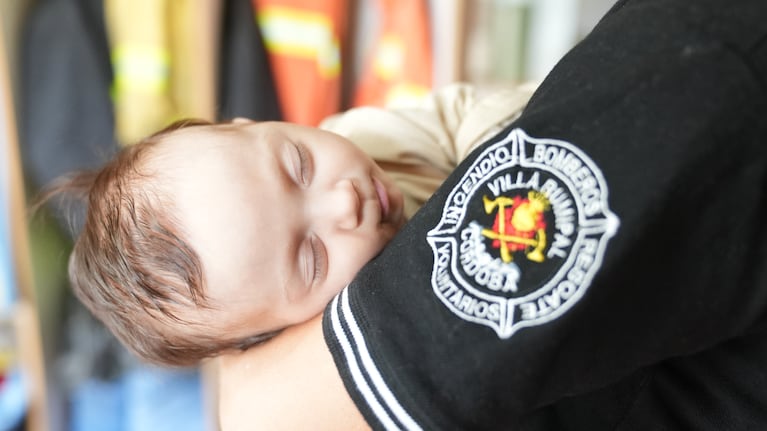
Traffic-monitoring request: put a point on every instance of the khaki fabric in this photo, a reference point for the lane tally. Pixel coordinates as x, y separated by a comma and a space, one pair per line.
419, 145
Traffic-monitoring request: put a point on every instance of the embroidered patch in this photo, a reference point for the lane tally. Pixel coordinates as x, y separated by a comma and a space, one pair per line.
522, 234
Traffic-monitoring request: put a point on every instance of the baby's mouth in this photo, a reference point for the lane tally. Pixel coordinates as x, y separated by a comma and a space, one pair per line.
383, 198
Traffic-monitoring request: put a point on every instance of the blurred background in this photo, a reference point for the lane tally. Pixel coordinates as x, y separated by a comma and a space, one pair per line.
79, 79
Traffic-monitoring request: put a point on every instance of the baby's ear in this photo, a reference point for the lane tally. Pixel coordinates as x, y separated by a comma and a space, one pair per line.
241, 120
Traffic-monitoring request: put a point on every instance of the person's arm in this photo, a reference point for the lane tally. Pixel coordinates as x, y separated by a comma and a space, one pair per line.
647, 141
657, 320
289, 383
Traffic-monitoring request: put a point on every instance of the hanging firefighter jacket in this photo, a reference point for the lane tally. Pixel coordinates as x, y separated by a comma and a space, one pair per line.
400, 67
162, 59
65, 120
303, 40
245, 84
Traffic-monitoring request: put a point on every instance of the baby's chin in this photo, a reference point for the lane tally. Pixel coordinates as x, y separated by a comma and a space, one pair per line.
386, 237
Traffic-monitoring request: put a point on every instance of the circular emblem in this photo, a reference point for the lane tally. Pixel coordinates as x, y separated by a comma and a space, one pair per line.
522, 234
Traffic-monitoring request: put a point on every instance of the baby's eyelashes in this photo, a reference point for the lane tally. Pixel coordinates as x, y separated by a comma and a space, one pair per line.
313, 260
319, 258
295, 163
308, 261
304, 170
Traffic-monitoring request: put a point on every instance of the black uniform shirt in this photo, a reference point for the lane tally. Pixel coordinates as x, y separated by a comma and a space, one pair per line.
599, 265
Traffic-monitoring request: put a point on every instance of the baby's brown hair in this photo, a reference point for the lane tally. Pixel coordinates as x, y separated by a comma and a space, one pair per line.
131, 266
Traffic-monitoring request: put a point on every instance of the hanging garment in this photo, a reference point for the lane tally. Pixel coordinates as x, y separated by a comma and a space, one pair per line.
141, 61
65, 113
162, 55
245, 83
303, 39
399, 69
194, 27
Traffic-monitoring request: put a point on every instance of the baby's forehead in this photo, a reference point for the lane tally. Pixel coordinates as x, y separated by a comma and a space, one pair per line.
187, 151
198, 172
187, 139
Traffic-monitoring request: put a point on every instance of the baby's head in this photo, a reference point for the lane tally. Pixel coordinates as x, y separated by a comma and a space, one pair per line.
209, 238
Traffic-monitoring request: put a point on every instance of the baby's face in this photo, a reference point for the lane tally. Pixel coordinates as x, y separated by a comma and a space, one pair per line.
282, 217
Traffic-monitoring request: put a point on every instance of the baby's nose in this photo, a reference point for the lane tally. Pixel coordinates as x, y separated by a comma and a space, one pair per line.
343, 205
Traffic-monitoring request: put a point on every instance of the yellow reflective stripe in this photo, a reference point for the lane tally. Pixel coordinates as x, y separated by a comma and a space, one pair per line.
302, 34
389, 57
141, 67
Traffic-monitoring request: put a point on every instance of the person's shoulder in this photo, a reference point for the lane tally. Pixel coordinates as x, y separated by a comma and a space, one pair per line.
264, 387
234, 390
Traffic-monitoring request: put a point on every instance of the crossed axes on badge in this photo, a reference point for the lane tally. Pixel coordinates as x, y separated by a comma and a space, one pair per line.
538, 243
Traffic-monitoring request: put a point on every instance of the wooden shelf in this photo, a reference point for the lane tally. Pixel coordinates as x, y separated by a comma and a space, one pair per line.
25, 318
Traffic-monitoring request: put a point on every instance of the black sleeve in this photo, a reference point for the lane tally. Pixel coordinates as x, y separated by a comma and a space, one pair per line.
615, 229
